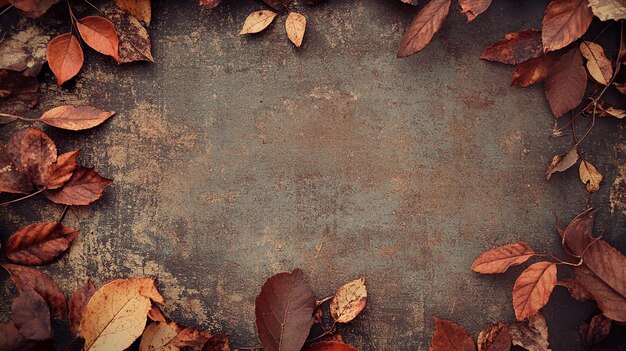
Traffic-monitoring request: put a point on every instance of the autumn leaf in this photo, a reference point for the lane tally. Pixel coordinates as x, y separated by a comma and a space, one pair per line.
99, 33
590, 176
566, 82
40, 243
295, 27
284, 311
12, 180
598, 65
611, 302
116, 313
140, 9
78, 301
562, 163
531, 334
33, 8
473, 8
17, 92
11, 339
158, 335
65, 57
34, 153
257, 21
30, 278
210, 4
134, 40
603, 109
191, 337
75, 117
24, 52
596, 331
577, 291
84, 187
328, 346
532, 289
156, 315
608, 9
515, 48
349, 301
449, 336
498, 260
62, 170
422, 29
563, 22
495, 338
31, 316
217, 342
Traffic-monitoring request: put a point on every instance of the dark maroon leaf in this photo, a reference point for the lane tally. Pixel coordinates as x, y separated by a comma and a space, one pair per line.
31, 316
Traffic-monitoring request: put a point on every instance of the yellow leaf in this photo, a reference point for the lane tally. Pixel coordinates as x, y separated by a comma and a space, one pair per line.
157, 337
295, 26
257, 21
349, 301
116, 314
589, 175
598, 65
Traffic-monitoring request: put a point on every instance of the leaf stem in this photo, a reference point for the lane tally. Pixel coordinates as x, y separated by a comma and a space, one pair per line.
63, 214
6, 9
19, 117
326, 332
4, 204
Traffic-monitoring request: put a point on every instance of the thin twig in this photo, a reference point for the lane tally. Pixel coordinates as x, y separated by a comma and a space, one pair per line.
6, 9
19, 117
22, 198
63, 214
326, 332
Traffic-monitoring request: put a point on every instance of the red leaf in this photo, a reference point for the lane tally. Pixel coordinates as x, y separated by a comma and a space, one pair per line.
498, 260
515, 47
62, 170
563, 22
31, 316
30, 278
427, 22
329, 346
495, 338
75, 117
99, 33
34, 153
84, 187
11, 179
566, 82
11, 339
284, 311
449, 336
209, 4
596, 331
473, 8
40, 243
78, 301
532, 289
65, 57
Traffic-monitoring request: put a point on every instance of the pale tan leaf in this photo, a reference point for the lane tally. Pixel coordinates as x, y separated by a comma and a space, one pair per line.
608, 9
295, 26
590, 176
531, 334
598, 65
349, 301
561, 163
157, 337
257, 21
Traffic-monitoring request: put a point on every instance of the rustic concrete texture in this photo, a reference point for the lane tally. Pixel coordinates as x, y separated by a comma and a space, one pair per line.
237, 158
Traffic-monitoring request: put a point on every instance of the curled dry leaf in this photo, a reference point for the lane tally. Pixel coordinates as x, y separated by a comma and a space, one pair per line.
34, 153
12, 180
40, 243
99, 33
78, 301
608, 9
498, 260
62, 170
84, 187
598, 65
495, 338
422, 29
532, 289
24, 51
329, 346
603, 109
349, 301
295, 27
140, 9
31, 316
158, 335
30, 278
284, 311
17, 93
577, 291
134, 40
515, 48
116, 314
563, 22
257, 21
473, 8
531, 334
33, 8
566, 82
596, 331
65, 57
590, 176
449, 336
75, 117
561, 163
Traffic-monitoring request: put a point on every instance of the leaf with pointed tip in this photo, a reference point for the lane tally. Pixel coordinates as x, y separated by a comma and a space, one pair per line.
599, 67
84, 187
449, 336
31, 316
65, 57
62, 170
562, 163
40, 243
422, 29
295, 25
257, 21
566, 82
515, 48
498, 260
349, 301
78, 301
563, 22
532, 289
100, 34
75, 117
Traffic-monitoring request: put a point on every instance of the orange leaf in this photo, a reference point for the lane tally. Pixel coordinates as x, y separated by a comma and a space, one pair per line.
99, 33
449, 336
495, 338
40, 243
84, 187
515, 47
532, 289
566, 82
498, 260
65, 57
422, 29
62, 170
563, 22
598, 65
295, 26
75, 117
473, 8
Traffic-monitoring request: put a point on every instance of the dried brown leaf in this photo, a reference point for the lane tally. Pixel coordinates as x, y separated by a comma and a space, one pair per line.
295, 25
422, 29
590, 176
577, 291
99, 33
62, 170
596, 331
140, 9
34, 153
40, 243
11, 339
31, 316
329, 346
33, 8
515, 48
158, 335
134, 40
495, 338
599, 67
156, 314
78, 301
284, 311
612, 303
498, 260
449, 336
531, 334
12, 180
75, 117
608, 9
473, 8
532, 289
24, 51
65, 57
563, 22
561, 163
191, 337
84, 187
17, 92
257, 21
566, 82
349, 301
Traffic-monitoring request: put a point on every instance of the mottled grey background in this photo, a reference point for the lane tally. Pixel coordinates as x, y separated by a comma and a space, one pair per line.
235, 158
